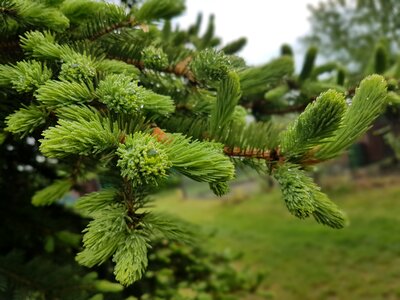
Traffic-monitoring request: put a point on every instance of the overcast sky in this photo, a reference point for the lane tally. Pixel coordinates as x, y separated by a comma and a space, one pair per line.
267, 24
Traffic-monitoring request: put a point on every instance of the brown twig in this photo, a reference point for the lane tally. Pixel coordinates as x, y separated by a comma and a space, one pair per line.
180, 69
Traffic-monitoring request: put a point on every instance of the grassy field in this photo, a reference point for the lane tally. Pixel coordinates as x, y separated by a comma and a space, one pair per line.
304, 260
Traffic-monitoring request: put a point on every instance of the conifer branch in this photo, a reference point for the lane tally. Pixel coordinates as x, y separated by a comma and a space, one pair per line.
131, 22
268, 155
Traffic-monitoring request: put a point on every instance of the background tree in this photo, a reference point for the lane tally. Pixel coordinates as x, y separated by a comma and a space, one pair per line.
344, 29
91, 90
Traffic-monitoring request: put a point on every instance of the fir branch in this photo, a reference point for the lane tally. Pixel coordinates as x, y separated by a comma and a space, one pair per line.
87, 134
122, 94
27, 76
95, 202
210, 66
366, 105
169, 227
256, 80
103, 236
34, 14
303, 197
315, 125
192, 158
256, 139
159, 9
131, 22
251, 139
131, 259
228, 96
25, 120
55, 94
112, 66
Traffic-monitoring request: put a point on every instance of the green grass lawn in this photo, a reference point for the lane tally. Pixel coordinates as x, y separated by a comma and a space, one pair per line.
302, 259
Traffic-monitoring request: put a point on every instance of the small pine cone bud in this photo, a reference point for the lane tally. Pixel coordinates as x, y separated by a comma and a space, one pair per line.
77, 68
210, 65
142, 159
120, 93
154, 58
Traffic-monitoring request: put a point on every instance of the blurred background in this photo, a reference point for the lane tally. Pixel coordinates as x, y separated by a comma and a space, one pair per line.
299, 259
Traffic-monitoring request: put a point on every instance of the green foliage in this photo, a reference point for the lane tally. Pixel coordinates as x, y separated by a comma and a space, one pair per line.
219, 188
142, 159
26, 14
366, 105
156, 9
88, 134
77, 67
394, 142
197, 273
96, 201
113, 66
25, 120
40, 278
170, 227
42, 45
227, 98
29, 75
258, 136
52, 193
276, 93
154, 58
303, 198
122, 94
103, 236
316, 125
89, 20
256, 80
54, 94
311, 88
210, 65
286, 50
234, 46
309, 62
381, 59
192, 158
130, 259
